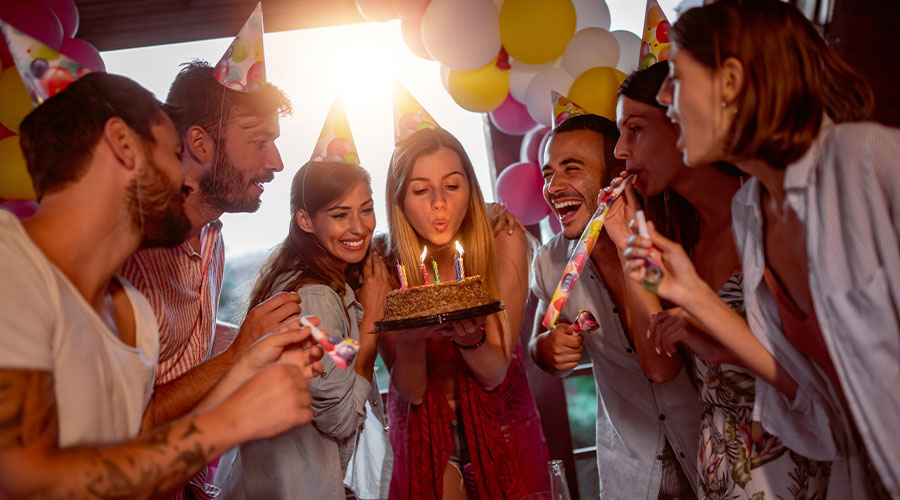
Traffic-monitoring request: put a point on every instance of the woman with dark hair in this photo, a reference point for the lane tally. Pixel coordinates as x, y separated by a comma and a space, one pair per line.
326, 260
737, 458
463, 421
816, 228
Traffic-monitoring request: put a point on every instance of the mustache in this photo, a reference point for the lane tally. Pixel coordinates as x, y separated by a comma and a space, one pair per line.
566, 194
268, 177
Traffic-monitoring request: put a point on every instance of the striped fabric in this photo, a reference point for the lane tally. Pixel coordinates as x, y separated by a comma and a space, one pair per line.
183, 288
846, 191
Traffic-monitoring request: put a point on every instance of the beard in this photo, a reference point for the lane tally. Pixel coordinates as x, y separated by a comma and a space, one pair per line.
225, 186
157, 208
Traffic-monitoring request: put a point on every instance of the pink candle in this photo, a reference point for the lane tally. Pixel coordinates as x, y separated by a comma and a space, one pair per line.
422, 266
400, 277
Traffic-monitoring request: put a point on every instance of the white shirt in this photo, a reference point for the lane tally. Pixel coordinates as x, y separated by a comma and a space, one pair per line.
635, 416
846, 190
101, 385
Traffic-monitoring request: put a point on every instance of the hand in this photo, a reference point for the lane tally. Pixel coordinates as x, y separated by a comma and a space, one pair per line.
675, 326
560, 348
503, 220
375, 287
277, 311
271, 402
621, 212
290, 344
467, 332
680, 279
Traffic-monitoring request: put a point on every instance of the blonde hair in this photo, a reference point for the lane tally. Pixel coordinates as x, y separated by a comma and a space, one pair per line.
476, 234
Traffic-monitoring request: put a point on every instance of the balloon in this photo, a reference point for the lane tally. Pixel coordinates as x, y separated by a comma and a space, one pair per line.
409, 10
542, 148
530, 144
461, 34
35, 20
5, 132
6, 59
596, 90
412, 35
536, 31
84, 53
537, 98
15, 102
555, 225
15, 183
629, 50
590, 48
445, 77
512, 117
67, 13
520, 76
520, 187
376, 10
22, 209
480, 90
591, 14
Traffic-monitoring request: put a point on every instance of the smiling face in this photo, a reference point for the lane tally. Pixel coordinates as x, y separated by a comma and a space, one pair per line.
344, 228
247, 159
693, 94
647, 144
437, 196
573, 177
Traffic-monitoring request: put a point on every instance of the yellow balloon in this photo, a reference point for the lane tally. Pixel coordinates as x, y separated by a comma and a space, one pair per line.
536, 31
15, 183
481, 90
15, 102
596, 90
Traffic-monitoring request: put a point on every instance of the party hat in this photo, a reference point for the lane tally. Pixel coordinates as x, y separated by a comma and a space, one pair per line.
44, 71
409, 115
243, 67
655, 38
564, 108
335, 142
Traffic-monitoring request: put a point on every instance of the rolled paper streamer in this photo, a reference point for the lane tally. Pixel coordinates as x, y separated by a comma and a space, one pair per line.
341, 351
585, 322
581, 255
654, 272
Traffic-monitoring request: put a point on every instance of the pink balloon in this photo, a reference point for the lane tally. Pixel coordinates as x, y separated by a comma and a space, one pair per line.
530, 144
410, 10
67, 13
412, 35
22, 209
512, 117
376, 10
35, 20
542, 148
84, 53
520, 187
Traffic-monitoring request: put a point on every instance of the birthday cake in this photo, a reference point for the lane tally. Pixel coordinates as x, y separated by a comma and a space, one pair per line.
430, 300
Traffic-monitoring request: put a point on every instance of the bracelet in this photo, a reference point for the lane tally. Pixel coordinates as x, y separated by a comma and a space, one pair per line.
476, 345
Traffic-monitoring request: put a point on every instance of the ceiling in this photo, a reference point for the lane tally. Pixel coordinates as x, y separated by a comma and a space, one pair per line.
119, 24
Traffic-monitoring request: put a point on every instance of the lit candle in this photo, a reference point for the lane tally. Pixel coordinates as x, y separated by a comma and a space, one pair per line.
458, 263
422, 265
401, 277
437, 279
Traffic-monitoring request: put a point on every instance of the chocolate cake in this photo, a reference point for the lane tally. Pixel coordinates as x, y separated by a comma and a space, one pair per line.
428, 300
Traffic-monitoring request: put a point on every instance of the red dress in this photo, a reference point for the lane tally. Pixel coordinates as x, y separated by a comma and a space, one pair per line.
502, 430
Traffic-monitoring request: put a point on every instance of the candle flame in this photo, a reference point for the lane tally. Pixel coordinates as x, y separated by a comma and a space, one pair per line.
459, 248
424, 251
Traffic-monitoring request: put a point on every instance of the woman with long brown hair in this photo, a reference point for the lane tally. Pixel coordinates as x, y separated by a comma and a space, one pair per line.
753, 83
326, 260
463, 421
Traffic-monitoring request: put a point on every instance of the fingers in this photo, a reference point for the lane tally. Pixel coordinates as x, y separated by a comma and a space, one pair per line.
313, 369
630, 196
278, 300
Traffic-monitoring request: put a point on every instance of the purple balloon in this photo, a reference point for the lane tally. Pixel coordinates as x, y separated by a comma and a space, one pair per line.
84, 53
512, 117
67, 13
22, 209
530, 144
35, 20
520, 187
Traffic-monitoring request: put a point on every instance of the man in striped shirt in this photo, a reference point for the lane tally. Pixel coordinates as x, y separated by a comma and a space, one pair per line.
229, 153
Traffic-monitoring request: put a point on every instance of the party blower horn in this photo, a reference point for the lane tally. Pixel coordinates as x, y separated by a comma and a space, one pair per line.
341, 351
581, 255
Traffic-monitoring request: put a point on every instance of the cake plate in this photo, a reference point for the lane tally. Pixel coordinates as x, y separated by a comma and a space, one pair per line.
437, 319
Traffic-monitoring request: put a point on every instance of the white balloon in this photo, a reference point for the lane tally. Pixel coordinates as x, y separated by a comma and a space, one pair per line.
591, 14
629, 50
520, 76
537, 98
445, 77
590, 48
462, 34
